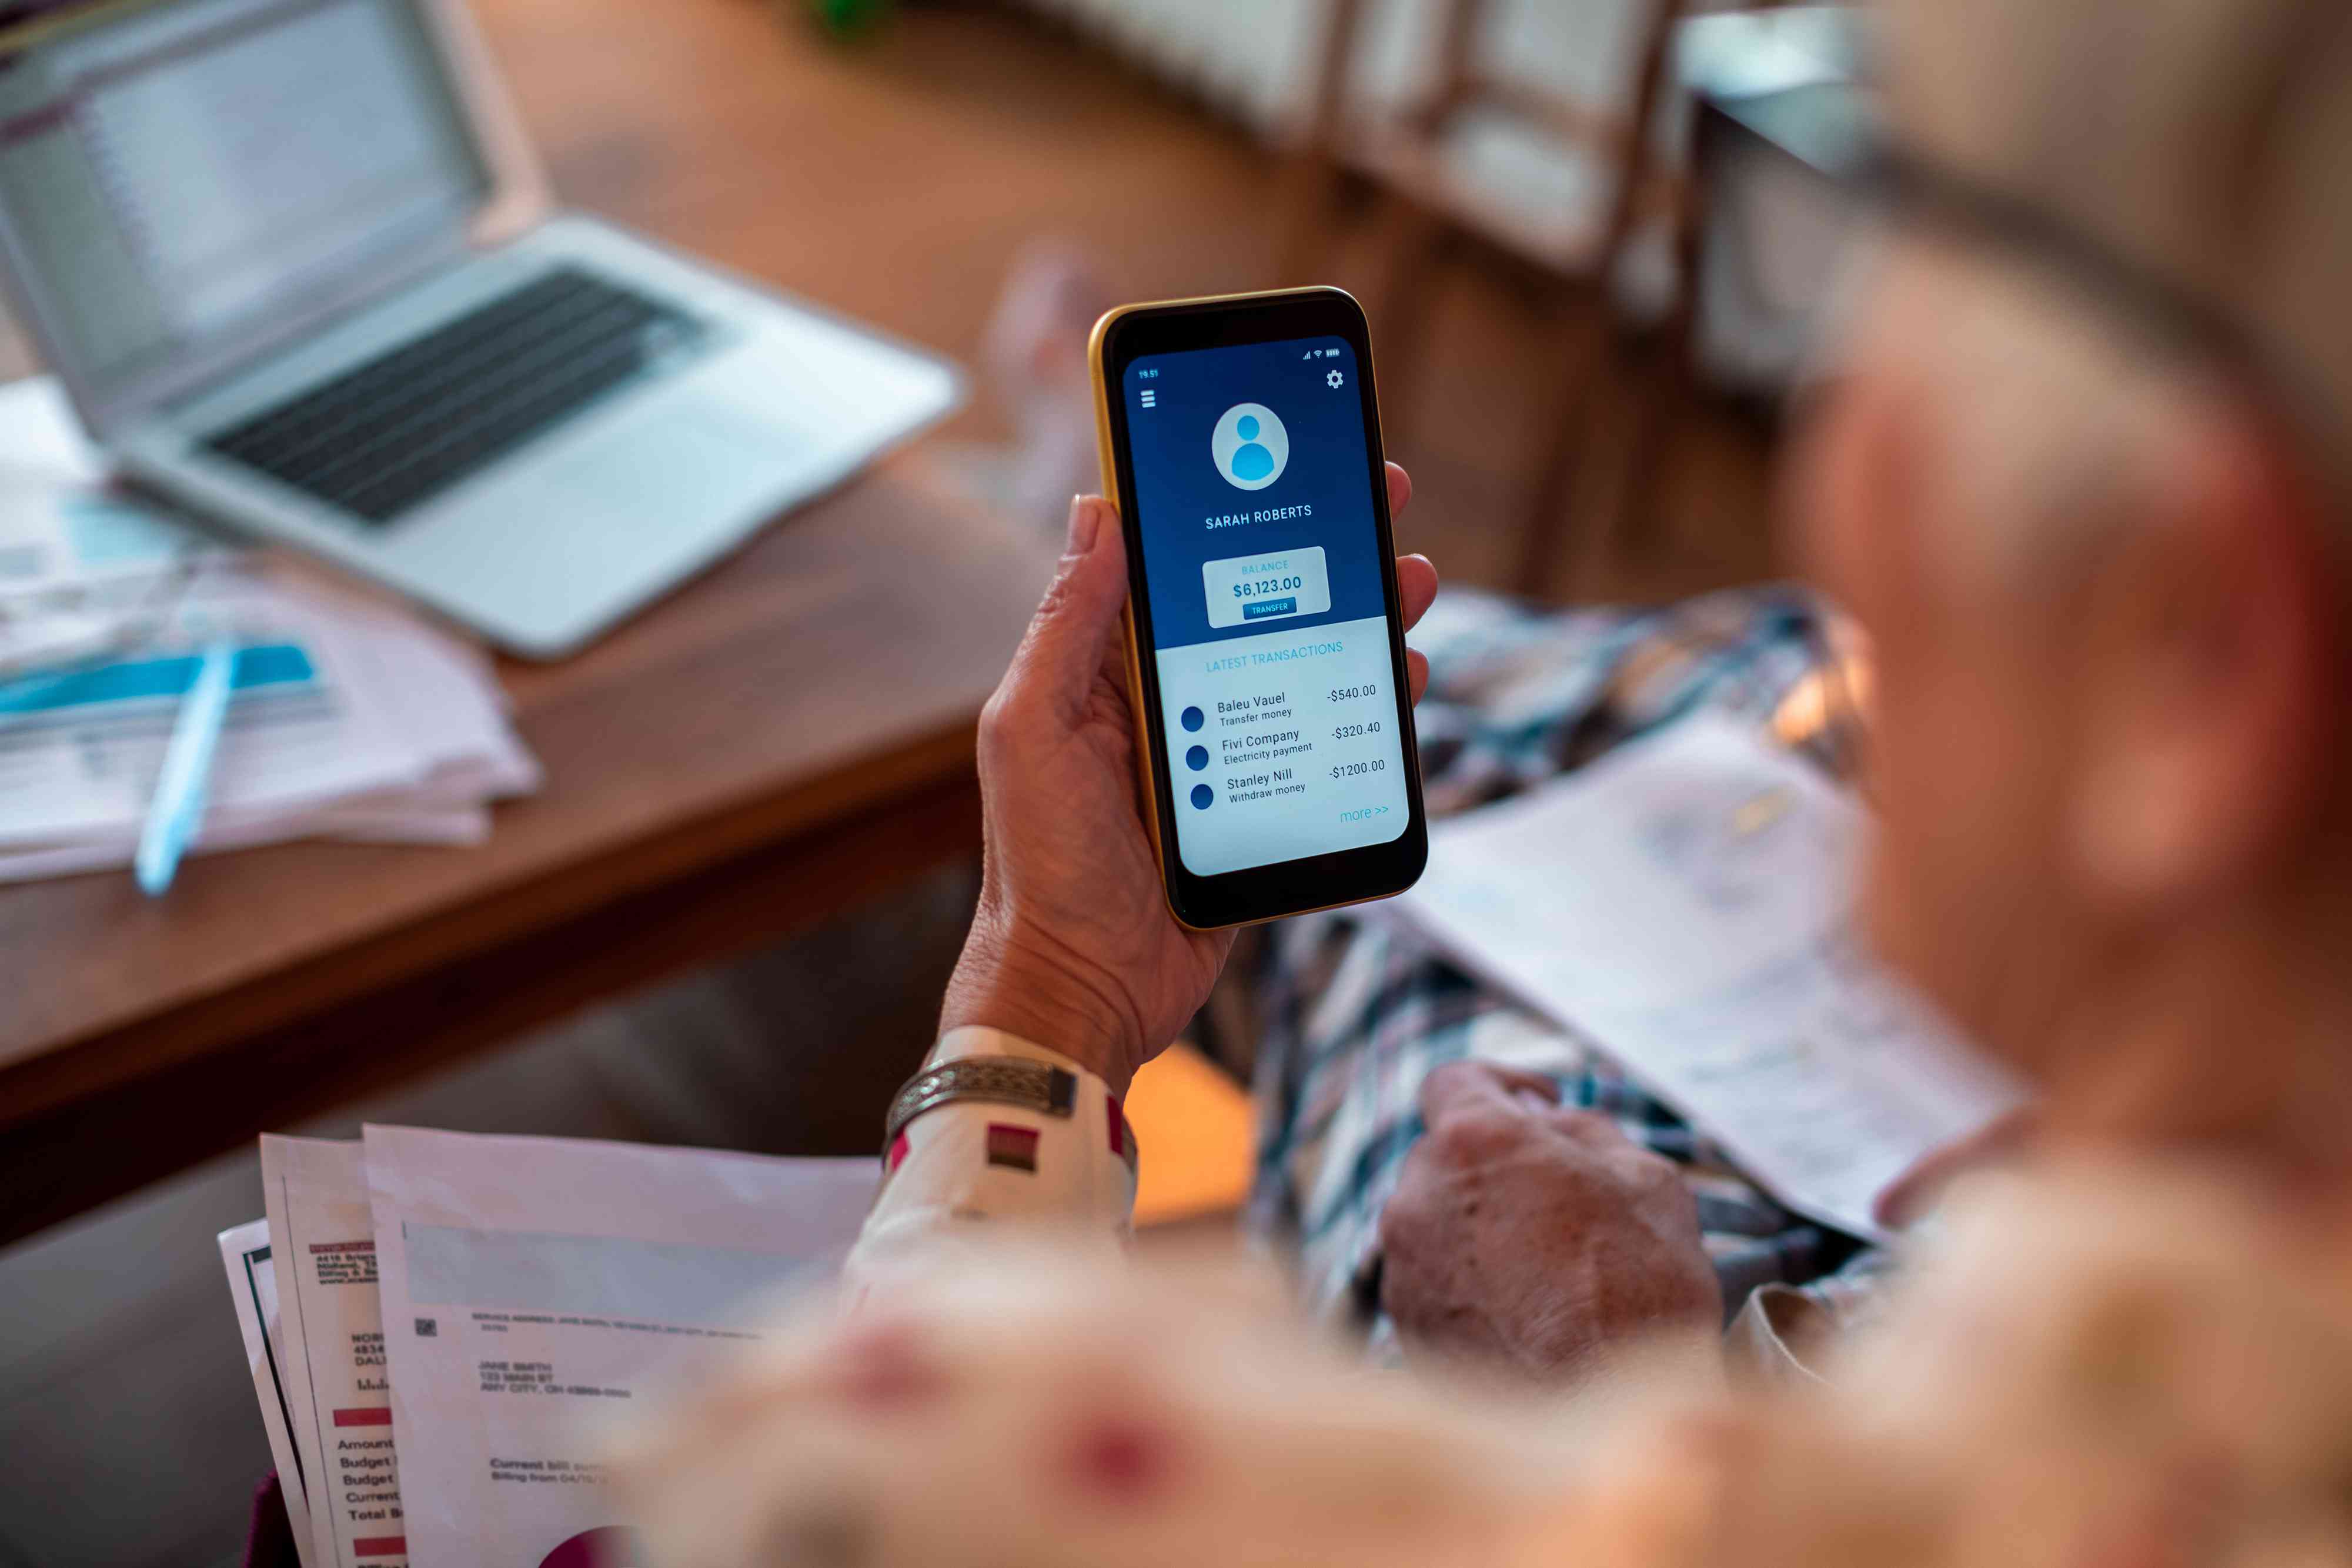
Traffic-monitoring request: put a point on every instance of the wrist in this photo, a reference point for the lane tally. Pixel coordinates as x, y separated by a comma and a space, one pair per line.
1023, 987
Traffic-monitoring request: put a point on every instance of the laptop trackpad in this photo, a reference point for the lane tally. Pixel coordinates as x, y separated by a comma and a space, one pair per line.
622, 508
677, 469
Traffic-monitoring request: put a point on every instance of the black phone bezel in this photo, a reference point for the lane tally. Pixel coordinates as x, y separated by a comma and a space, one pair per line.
1313, 881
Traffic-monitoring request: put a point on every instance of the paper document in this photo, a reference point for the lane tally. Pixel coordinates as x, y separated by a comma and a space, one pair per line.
346, 717
1685, 904
538, 1291
81, 565
59, 521
341, 722
316, 1190
253, 1286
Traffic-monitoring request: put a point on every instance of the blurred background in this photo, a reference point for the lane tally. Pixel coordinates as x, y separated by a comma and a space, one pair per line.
1591, 243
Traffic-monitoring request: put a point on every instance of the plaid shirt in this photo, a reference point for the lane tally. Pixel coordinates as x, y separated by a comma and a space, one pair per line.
1355, 1011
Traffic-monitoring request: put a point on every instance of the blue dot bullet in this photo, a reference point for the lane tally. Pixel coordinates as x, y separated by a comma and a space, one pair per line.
1202, 795
1197, 758
1194, 718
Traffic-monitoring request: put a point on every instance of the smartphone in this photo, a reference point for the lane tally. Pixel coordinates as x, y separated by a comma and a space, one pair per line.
1241, 438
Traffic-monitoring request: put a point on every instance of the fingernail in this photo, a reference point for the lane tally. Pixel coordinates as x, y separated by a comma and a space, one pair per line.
1086, 520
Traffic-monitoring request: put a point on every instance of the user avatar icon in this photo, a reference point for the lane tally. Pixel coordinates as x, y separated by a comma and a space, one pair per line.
1192, 718
1197, 758
1251, 460
1250, 447
1202, 795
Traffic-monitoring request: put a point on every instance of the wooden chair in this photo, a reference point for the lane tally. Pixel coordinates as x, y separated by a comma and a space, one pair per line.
1426, 208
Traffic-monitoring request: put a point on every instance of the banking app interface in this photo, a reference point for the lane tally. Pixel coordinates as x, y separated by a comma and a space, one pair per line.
1268, 624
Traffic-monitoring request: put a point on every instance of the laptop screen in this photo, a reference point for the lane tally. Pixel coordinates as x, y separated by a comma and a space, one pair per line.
177, 173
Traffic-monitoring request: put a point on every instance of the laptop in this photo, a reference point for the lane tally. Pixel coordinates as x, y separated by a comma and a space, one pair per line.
294, 263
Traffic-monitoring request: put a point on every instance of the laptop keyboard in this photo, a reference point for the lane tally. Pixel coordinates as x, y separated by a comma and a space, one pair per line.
398, 430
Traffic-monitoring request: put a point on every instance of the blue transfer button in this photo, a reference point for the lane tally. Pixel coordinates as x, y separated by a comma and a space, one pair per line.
1259, 608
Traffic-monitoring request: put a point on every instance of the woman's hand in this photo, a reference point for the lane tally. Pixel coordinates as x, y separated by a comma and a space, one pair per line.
1535, 1239
1073, 946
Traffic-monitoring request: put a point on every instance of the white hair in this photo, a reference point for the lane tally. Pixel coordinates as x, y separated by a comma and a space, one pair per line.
2203, 140
2052, 422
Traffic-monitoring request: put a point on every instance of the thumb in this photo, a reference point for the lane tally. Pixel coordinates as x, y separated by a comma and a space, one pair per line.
1074, 624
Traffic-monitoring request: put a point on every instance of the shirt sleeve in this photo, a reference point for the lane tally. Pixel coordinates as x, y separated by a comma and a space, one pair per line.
1763, 1347
959, 1177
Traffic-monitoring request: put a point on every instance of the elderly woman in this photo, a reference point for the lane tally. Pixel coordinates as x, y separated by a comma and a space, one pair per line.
2083, 478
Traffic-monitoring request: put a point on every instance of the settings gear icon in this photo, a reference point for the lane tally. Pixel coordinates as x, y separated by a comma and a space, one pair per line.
1335, 380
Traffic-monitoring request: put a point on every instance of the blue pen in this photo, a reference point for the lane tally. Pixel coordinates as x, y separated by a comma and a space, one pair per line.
178, 807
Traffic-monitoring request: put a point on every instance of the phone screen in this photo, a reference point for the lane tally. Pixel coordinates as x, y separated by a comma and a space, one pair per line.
1269, 625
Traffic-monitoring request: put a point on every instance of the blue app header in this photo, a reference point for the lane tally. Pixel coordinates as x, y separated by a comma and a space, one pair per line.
1251, 490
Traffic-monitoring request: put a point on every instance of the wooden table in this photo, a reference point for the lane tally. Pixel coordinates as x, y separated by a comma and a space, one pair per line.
785, 736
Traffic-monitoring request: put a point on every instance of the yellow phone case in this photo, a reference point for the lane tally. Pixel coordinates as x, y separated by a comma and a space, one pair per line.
1109, 468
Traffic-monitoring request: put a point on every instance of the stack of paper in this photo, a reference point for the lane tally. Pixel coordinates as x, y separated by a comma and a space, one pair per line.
348, 718
444, 1329
1685, 904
